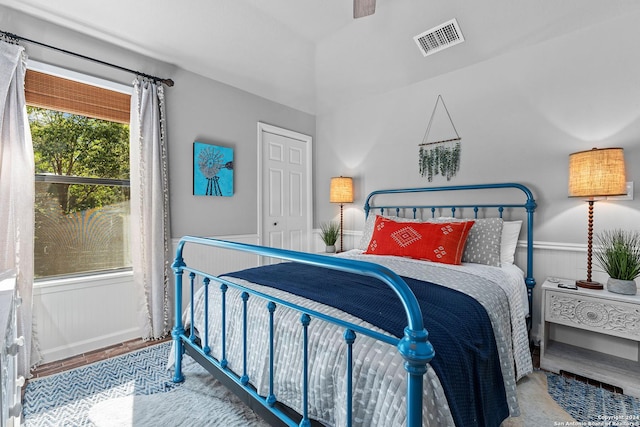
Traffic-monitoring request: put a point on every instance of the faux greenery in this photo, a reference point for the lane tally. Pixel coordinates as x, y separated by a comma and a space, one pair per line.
439, 159
329, 232
618, 253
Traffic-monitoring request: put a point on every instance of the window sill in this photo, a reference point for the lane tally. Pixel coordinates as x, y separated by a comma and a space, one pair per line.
98, 278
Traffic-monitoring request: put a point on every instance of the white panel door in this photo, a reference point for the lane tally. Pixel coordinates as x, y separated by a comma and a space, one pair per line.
285, 188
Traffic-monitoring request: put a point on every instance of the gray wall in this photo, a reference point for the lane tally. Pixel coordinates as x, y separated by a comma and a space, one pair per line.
203, 110
520, 115
198, 109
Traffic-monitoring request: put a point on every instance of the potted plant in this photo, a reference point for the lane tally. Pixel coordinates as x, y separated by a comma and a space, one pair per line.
329, 233
618, 254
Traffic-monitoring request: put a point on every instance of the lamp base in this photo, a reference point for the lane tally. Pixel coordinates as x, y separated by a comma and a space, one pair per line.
588, 284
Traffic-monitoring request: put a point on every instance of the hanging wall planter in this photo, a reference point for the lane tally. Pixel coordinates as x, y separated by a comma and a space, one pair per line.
440, 157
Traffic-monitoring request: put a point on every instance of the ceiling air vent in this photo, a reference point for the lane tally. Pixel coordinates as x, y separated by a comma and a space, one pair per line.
439, 38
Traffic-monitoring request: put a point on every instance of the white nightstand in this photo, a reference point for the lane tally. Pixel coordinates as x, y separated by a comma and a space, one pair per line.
603, 315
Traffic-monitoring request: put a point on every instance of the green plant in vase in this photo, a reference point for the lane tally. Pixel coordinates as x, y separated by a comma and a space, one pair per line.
618, 253
329, 232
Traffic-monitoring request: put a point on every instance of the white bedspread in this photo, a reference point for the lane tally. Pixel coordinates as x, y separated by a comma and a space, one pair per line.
379, 375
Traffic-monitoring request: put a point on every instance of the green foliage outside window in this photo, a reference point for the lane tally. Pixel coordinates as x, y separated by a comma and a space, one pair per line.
72, 145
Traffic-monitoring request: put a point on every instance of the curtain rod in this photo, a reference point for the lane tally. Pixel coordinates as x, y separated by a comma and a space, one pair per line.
167, 82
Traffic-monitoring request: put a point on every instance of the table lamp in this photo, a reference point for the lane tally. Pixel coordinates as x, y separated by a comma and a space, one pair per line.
341, 191
592, 174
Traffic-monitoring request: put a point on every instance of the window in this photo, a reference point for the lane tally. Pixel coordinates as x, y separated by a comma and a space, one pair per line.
80, 138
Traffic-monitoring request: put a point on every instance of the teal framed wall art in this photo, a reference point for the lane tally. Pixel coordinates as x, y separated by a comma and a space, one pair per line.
212, 170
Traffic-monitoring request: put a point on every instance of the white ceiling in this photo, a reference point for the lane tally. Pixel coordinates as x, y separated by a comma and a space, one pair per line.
311, 54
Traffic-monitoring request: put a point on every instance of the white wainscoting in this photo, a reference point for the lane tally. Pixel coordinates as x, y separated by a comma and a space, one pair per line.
77, 315
80, 314
216, 261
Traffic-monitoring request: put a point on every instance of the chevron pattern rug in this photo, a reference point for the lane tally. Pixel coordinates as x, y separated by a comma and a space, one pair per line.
70, 395
133, 390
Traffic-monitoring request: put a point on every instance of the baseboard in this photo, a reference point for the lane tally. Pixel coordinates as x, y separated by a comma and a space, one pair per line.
81, 347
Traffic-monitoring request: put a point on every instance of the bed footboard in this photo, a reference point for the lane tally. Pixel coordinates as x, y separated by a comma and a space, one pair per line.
414, 346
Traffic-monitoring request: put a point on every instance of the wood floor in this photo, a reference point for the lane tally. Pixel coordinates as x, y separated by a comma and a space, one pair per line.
91, 357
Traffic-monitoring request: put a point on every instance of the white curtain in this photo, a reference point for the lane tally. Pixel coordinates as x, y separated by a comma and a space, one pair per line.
150, 233
17, 191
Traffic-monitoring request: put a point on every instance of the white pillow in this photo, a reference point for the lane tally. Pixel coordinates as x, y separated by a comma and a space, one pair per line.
509, 241
367, 232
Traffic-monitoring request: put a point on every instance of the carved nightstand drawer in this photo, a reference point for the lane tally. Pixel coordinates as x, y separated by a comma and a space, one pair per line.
615, 318
592, 333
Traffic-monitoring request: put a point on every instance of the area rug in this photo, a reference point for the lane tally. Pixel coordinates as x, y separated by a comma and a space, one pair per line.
135, 390
589, 404
537, 408
200, 401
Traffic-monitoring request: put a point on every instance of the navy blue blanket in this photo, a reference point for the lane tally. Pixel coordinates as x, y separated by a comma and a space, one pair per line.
466, 357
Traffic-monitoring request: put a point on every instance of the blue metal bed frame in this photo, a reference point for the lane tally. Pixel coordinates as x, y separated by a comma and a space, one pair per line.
414, 347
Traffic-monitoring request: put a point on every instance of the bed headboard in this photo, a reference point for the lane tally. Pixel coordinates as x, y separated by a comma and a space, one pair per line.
528, 205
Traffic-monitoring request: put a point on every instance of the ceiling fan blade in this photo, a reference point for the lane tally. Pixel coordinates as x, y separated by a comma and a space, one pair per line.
363, 8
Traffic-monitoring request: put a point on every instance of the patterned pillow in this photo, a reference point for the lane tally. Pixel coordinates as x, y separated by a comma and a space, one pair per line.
483, 242
484, 245
370, 223
439, 242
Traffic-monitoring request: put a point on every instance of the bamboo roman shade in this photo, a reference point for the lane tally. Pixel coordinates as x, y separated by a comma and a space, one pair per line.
57, 93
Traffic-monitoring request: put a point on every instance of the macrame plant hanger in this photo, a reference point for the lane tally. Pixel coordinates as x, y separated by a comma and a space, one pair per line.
442, 156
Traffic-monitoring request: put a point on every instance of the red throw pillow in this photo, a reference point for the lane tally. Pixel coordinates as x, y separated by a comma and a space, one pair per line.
440, 242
